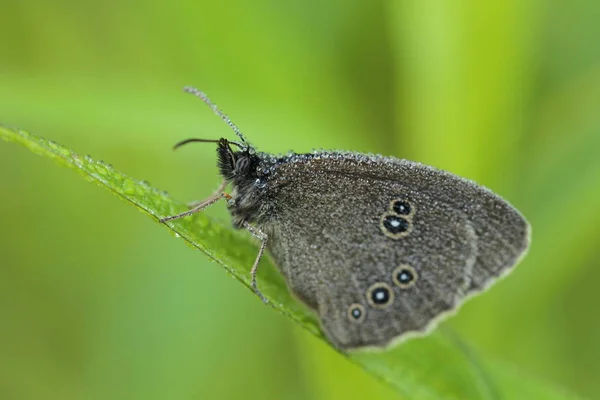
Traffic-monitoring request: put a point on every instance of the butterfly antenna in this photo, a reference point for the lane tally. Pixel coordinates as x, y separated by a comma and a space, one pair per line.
186, 141
216, 110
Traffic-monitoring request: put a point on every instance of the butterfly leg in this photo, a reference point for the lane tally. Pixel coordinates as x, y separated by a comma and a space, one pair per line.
199, 206
263, 245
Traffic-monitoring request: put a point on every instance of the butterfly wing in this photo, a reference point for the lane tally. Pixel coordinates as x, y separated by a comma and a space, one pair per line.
381, 247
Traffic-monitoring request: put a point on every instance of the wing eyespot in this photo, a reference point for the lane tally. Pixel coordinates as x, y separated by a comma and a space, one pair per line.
380, 295
356, 313
405, 276
395, 226
402, 207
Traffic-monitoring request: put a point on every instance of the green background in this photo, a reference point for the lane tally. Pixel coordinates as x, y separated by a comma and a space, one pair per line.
98, 302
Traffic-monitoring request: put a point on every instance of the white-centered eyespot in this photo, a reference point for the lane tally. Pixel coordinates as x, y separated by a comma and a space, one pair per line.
402, 207
404, 276
356, 312
380, 295
395, 226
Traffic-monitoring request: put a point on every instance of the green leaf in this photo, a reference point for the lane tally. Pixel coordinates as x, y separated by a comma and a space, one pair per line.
439, 366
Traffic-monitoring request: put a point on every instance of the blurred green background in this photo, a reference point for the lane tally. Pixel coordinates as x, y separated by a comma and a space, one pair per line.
99, 302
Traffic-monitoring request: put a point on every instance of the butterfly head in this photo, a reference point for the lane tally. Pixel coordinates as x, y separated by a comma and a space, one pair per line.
239, 166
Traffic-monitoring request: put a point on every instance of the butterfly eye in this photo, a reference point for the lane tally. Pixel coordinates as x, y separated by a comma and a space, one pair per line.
395, 226
404, 276
242, 164
401, 207
356, 312
380, 295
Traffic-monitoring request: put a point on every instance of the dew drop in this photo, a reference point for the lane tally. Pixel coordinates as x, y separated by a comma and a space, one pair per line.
129, 188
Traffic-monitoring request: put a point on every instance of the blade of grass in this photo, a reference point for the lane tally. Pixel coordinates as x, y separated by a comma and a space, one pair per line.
435, 367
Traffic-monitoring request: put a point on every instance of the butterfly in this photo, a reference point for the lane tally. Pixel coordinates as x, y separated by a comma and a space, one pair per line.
380, 248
